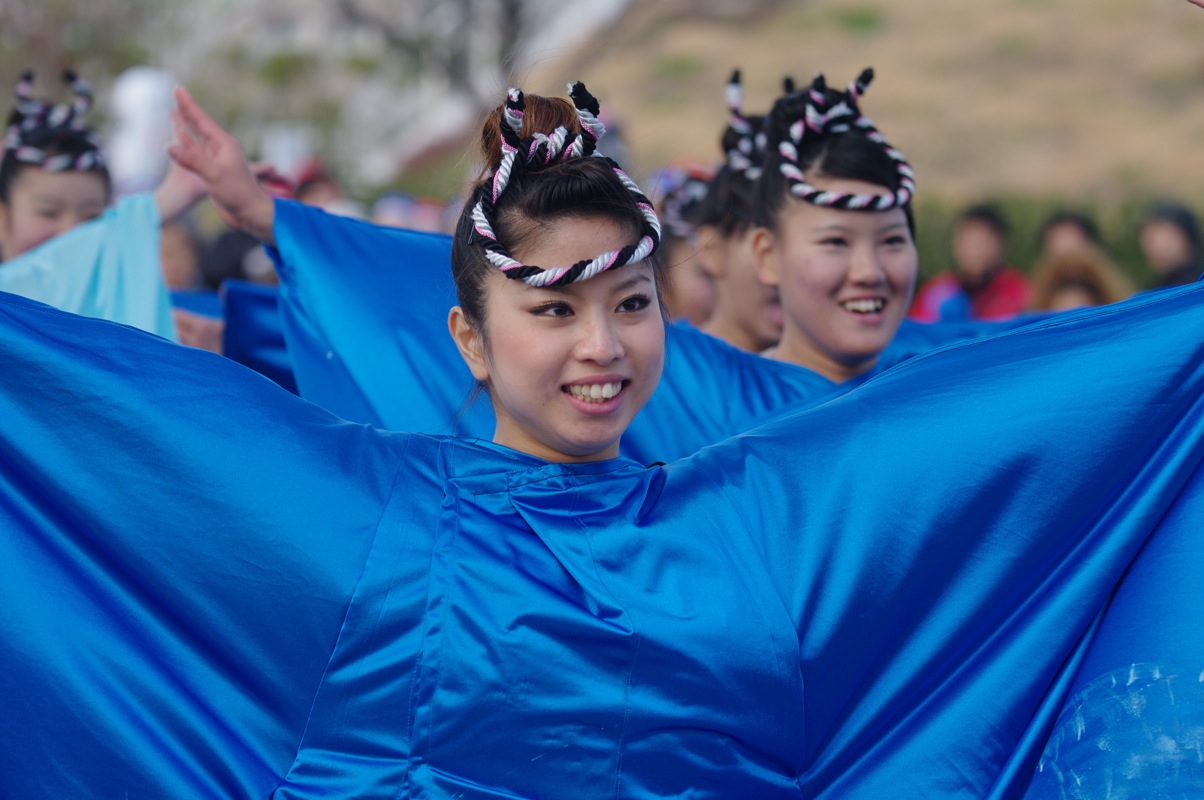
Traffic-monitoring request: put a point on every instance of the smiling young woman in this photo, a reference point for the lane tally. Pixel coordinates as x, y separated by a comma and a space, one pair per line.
834, 232
864, 599
567, 368
569, 350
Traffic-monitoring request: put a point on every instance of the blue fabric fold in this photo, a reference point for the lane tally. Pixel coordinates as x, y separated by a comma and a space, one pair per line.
254, 334
106, 268
876, 596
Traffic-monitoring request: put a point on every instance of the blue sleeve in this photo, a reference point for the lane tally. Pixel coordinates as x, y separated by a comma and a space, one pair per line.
107, 268
945, 547
365, 316
179, 539
254, 332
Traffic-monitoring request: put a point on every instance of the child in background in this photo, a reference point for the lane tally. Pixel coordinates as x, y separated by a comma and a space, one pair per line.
53, 179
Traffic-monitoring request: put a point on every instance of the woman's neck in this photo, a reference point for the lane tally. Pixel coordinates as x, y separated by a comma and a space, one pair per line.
789, 352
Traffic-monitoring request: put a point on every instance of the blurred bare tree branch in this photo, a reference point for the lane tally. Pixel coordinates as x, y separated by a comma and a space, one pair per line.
98, 39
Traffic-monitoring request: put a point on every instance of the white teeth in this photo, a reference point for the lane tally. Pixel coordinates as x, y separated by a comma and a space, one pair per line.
864, 306
594, 392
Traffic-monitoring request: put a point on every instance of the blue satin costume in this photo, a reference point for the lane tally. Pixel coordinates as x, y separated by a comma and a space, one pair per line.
107, 268
365, 315
254, 333
870, 598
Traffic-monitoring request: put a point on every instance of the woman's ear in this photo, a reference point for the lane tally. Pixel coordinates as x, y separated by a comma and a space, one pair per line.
765, 256
468, 341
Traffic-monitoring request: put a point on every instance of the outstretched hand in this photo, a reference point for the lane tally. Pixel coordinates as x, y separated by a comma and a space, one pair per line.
205, 148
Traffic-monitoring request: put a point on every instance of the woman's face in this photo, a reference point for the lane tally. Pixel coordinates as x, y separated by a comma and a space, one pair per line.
691, 289
43, 204
846, 279
1165, 245
747, 312
568, 368
977, 249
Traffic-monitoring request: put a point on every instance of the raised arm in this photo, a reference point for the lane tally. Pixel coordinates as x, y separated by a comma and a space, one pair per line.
205, 148
178, 192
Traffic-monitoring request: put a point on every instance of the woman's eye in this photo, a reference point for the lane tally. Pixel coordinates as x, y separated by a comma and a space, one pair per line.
834, 241
636, 302
897, 240
554, 309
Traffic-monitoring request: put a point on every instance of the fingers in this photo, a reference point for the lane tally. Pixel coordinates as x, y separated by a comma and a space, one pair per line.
184, 149
194, 117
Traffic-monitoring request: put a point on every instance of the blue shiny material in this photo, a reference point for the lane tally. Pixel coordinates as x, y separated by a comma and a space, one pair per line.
871, 598
203, 302
254, 333
365, 312
106, 268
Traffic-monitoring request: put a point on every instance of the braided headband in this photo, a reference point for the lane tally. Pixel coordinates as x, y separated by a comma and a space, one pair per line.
34, 120
539, 150
824, 112
746, 155
686, 188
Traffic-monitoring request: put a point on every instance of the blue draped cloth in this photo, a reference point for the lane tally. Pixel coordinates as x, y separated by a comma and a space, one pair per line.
365, 314
106, 268
215, 589
198, 301
254, 332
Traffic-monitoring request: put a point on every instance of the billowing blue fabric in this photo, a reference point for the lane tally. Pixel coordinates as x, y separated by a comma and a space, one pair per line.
254, 335
365, 310
867, 599
365, 317
1134, 724
106, 268
914, 337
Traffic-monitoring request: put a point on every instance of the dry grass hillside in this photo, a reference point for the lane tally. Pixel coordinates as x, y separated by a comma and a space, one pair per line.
1071, 98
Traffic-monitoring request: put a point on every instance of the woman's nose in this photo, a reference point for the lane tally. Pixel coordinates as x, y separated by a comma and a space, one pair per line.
865, 268
600, 341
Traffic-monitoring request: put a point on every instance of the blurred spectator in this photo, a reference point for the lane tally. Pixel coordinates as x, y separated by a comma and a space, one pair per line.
180, 256
1170, 241
980, 284
238, 255
747, 312
1077, 278
401, 210
678, 192
1067, 231
317, 186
